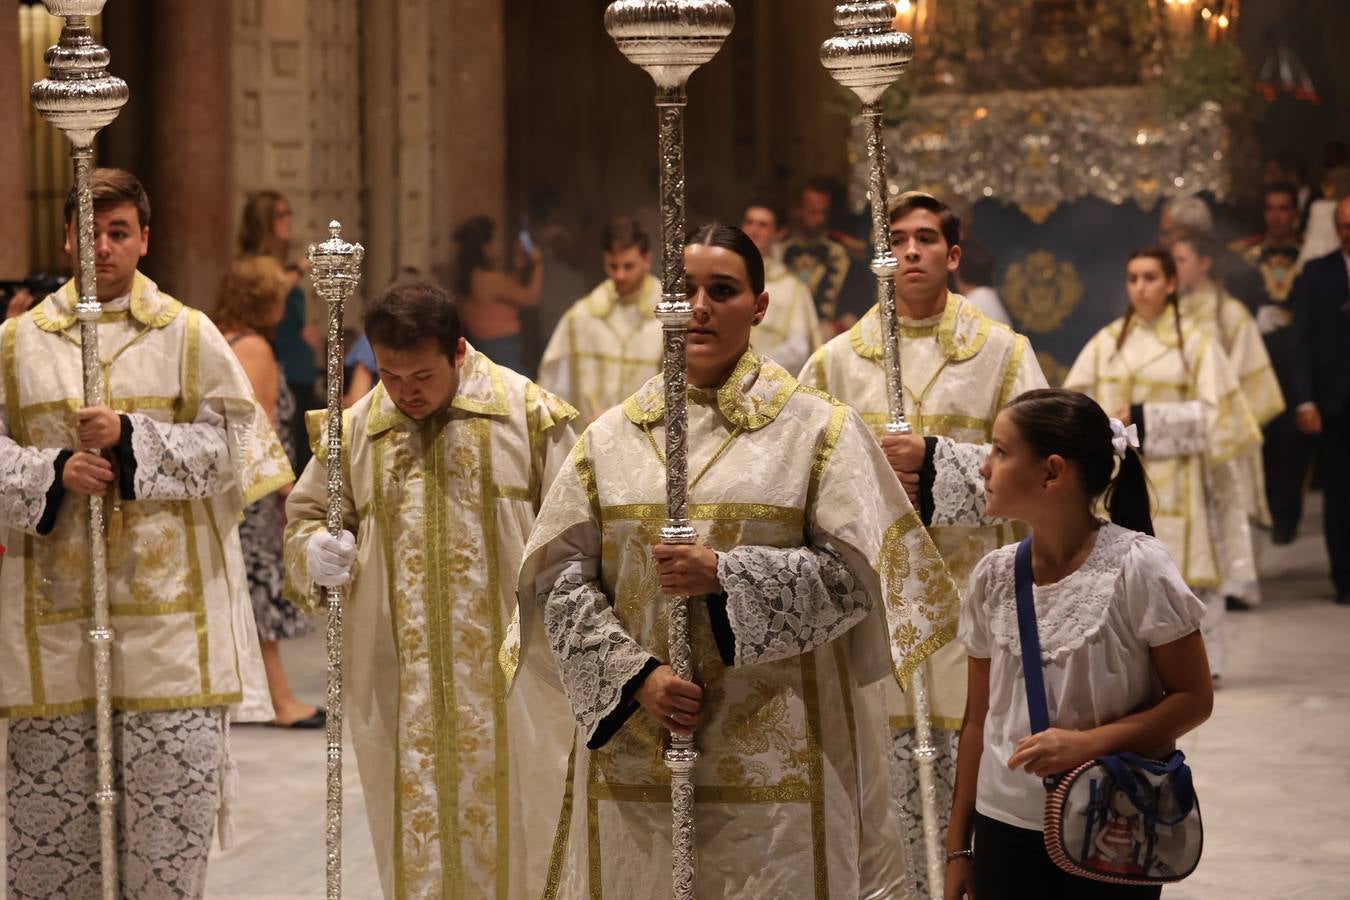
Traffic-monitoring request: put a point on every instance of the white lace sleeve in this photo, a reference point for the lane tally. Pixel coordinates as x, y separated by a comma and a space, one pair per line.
181, 461
26, 475
596, 656
1175, 429
958, 489
785, 602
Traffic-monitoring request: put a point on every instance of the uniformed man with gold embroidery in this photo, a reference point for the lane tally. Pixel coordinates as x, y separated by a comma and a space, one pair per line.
609, 343
815, 257
177, 451
960, 368
444, 465
1273, 261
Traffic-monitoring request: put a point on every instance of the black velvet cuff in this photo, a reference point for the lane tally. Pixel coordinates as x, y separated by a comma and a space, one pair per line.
1137, 420
927, 475
125, 458
610, 724
55, 494
721, 627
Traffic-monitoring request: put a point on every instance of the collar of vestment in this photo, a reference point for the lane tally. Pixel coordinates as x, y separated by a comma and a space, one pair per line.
481, 393
1202, 303
751, 397
605, 298
1164, 327
960, 332
148, 305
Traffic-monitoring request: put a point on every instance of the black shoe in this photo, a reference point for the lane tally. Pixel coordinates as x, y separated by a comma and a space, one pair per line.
311, 723
1237, 604
1282, 536
1342, 599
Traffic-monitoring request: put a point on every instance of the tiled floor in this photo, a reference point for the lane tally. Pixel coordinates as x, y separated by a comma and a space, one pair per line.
1271, 765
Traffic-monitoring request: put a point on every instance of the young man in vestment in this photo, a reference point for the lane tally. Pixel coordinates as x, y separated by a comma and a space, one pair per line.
960, 368
444, 463
609, 343
790, 331
176, 450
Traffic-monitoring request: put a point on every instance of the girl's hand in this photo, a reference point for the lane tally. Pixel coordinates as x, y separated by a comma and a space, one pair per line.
1053, 751
686, 570
960, 881
673, 702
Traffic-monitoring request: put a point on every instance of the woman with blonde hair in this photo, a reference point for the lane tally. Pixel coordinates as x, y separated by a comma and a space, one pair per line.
250, 304
265, 229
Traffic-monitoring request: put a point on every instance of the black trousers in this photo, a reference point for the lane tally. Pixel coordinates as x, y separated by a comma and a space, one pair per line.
1287, 453
305, 400
1011, 864
1336, 496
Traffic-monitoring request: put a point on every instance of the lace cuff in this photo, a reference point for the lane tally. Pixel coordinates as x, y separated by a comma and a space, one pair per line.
784, 602
596, 657
1174, 429
958, 489
29, 490
178, 462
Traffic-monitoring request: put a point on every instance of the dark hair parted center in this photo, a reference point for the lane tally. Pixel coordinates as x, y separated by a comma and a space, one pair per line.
407, 314
1071, 425
729, 237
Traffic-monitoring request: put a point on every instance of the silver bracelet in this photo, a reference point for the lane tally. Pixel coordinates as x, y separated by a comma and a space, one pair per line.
957, 854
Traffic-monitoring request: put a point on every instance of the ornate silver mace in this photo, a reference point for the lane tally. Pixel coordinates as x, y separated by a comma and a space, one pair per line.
78, 98
867, 56
669, 40
335, 268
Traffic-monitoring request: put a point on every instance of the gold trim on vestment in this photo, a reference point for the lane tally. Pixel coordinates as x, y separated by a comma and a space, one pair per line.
905, 723
127, 704
563, 832
787, 516
828, 442
586, 472
816, 767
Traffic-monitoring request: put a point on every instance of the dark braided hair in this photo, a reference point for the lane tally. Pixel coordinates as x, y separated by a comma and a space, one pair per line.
1169, 269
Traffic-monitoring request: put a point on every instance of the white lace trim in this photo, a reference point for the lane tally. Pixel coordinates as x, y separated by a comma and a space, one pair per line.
595, 655
179, 462
958, 488
785, 602
28, 475
1175, 429
1068, 612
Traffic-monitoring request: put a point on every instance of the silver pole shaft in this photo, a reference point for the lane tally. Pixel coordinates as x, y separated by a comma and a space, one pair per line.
884, 266
335, 270
100, 632
674, 311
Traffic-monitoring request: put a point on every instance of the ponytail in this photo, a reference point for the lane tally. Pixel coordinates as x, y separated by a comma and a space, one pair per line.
1127, 498
1072, 425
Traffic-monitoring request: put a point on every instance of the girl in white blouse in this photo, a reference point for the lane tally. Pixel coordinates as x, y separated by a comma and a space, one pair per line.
1125, 665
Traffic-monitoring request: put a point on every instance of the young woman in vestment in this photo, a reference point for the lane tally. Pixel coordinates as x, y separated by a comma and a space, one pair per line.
1155, 369
813, 580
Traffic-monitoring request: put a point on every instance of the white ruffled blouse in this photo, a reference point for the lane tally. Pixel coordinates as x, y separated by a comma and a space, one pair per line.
1096, 627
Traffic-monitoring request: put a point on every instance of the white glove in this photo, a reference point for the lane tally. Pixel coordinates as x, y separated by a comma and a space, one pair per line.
1270, 317
331, 558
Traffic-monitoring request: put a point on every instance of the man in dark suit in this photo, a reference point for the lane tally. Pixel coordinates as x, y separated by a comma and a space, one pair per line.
1320, 386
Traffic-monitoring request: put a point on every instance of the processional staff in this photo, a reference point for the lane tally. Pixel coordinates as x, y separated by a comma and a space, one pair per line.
867, 56
335, 268
669, 40
78, 98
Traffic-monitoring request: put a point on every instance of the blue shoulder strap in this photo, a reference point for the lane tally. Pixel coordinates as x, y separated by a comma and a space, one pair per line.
1031, 639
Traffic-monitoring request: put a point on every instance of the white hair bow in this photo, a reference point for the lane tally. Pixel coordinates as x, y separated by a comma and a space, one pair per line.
1122, 437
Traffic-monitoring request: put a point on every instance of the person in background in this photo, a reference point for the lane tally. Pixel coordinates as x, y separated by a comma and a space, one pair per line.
975, 279
249, 306
1156, 371
1319, 387
265, 228
810, 253
1240, 486
790, 331
490, 300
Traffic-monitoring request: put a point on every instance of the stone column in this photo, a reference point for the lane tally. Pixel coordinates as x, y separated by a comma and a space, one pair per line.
13, 183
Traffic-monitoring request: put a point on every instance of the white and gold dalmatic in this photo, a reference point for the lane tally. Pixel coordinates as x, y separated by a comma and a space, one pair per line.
960, 368
461, 786
1240, 486
792, 793
604, 348
202, 450
1194, 420
790, 332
